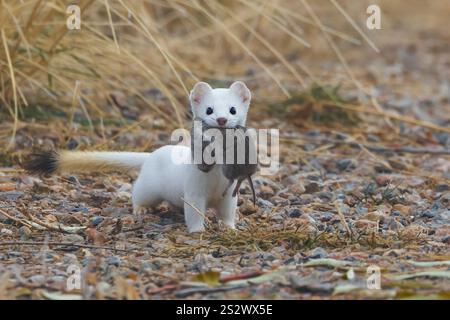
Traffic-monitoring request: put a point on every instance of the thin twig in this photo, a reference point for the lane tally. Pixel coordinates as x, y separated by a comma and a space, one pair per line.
56, 243
342, 217
21, 221
406, 149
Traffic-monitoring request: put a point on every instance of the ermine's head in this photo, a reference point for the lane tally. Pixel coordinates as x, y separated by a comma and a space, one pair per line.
223, 107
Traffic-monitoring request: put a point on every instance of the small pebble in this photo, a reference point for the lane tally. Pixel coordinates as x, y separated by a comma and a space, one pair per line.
295, 213
264, 203
347, 164
247, 208
113, 260
318, 253
442, 187
97, 220
74, 238
6, 232
312, 187
327, 216
428, 214
25, 233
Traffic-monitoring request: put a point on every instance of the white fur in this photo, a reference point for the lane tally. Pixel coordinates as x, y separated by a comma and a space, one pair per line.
184, 186
182, 183
179, 182
221, 100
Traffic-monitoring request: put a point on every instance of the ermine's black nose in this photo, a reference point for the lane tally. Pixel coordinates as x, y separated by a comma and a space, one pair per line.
222, 121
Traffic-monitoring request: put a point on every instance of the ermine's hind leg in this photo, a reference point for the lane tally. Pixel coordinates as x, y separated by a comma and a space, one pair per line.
226, 209
141, 210
143, 198
194, 211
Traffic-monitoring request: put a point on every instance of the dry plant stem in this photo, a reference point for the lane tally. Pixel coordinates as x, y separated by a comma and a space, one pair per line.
342, 59
342, 217
393, 116
359, 145
244, 47
43, 224
355, 26
198, 211
56, 243
15, 219
14, 88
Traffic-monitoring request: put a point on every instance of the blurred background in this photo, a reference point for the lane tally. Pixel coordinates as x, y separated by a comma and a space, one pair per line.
132, 63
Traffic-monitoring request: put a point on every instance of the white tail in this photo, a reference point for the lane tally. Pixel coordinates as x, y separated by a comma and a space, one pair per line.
80, 161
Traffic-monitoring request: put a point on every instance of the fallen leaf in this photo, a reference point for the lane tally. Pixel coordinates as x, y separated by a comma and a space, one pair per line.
60, 296
211, 278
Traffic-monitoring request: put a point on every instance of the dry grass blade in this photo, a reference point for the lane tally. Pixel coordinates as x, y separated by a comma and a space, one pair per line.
14, 88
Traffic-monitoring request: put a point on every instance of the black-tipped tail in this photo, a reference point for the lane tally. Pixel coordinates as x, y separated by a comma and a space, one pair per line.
42, 162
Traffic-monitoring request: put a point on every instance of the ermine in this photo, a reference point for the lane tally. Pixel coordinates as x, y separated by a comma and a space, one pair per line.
161, 178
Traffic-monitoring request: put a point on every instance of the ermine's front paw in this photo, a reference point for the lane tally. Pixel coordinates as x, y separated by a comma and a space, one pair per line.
230, 225
193, 229
140, 210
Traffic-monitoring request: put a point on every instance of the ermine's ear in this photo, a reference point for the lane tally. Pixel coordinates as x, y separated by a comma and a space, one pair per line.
200, 90
240, 89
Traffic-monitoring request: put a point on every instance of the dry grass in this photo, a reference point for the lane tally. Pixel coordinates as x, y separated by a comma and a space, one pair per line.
132, 47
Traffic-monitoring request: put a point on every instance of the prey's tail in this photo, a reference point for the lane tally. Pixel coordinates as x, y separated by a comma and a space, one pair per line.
48, 162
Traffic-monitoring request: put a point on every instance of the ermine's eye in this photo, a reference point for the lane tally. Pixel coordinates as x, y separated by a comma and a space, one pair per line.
209, 110
233, 110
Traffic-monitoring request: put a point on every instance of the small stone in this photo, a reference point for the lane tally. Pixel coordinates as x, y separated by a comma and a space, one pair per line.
96, 220
6, 232
327, 216
25, 233
279, 201
364, 224
308, 285
73, 179
313, 132
347, 164
295, 213
72, 144
11, 195
264, 203
318, 253
37, 279
428, 214
73, 238
266, 191
290, 260
383, 180
247, 208
14, 254
442, 187
446, 239
277, 217
113, 260
312, 187
404, 210
326, 195
267, 256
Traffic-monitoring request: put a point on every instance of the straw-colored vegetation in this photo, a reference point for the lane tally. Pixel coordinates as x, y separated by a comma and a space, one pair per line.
362, 176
